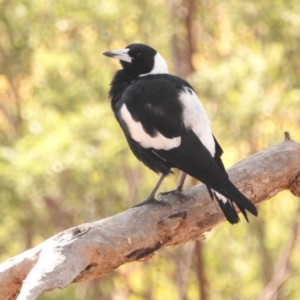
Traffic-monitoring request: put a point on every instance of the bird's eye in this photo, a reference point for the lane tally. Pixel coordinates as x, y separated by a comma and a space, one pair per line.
139, 54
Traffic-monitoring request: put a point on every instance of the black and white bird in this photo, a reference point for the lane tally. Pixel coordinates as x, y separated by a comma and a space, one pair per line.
166, 126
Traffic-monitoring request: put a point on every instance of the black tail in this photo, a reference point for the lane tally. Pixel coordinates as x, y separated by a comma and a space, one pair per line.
193, 158
228, 194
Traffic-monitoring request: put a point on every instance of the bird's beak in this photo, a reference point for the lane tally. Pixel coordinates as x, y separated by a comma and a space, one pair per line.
121, 54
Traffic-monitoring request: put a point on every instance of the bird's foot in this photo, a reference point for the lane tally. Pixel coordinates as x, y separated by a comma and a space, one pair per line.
176, 192
152, 201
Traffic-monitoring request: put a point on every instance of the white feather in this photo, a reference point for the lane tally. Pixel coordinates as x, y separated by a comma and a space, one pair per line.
160, 66
221, 197
137, 132
195, 118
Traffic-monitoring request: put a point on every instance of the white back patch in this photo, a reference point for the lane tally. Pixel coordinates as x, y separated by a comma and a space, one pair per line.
137, 132
195, 118
160, 66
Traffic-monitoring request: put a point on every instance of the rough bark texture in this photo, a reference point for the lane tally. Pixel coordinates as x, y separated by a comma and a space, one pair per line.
91, 250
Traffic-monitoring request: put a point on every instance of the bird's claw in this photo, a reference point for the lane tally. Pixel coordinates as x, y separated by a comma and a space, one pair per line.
152, 201
176, 192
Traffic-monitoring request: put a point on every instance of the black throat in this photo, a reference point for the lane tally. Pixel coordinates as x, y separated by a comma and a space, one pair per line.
121, 81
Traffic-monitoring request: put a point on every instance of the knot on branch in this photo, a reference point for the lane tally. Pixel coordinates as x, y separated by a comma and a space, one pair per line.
287, 136
172, 222
295, 186
142, 253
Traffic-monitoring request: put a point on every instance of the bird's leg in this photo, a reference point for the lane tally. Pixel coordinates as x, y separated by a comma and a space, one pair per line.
151, 198
178, 190
158, 184
181, 182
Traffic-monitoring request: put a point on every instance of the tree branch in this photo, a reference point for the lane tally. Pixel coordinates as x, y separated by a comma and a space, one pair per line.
91, 250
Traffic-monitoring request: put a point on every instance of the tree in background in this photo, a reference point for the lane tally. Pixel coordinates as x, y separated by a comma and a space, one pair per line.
62, 152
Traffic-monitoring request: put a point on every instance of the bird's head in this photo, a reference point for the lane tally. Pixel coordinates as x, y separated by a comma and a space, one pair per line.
139, 60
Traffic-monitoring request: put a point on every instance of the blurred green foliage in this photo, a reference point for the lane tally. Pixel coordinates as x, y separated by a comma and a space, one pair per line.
64, 160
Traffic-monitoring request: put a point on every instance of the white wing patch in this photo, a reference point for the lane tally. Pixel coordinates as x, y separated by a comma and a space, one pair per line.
195, 118
137, 132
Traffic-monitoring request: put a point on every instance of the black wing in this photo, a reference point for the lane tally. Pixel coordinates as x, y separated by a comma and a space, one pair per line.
154, 103
154, 114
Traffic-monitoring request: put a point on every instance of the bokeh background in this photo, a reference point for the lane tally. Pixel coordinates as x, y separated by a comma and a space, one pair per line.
64, 160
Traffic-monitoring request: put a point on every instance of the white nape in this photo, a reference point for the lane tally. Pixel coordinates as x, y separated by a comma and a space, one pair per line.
160, 66
195, 118
137, 132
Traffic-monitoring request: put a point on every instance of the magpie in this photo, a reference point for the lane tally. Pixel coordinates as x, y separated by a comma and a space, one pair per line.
166, 127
